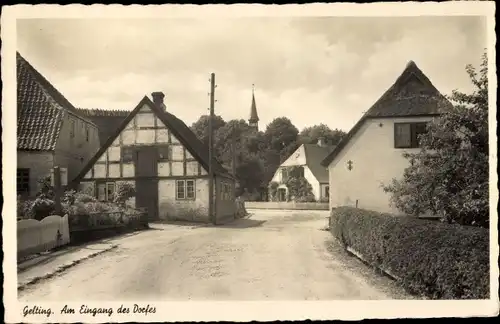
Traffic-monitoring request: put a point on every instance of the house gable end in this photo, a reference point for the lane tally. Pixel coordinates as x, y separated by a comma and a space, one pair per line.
142, 126
411, 95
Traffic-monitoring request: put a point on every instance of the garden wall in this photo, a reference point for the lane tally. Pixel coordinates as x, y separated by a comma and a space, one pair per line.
428, 258
286, 205
35, 236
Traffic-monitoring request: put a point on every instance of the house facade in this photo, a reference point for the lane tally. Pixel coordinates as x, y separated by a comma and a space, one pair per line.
371, 154
165, 162
307, 160
50, 131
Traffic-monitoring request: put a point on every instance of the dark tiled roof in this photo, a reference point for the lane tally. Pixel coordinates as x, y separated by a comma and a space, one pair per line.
179, 129
107, 121
411, 95
40, 108
314, 155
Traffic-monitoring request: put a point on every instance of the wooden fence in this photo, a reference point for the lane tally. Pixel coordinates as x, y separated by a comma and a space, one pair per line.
286, 205
35, 236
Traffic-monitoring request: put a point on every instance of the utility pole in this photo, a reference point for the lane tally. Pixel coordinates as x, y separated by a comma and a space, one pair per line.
233, 164
211, 195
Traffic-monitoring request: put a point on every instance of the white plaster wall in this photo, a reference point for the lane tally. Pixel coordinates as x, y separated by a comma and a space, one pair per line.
114, 153
145, 136
312, 180
114, 170
162, 135
99, 170
297, 158
191, 168
375, 162
170, 208
177, 168
145, 120
128, 169
163, 169
177, 153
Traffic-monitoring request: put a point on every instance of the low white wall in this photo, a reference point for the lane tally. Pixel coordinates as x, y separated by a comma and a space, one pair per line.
285, 205
39, 236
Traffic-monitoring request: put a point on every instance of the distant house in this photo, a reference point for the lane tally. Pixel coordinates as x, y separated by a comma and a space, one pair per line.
371, 153
50, 131
308, 159
164, 161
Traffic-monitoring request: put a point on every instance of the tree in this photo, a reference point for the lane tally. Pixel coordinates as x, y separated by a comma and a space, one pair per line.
310, 135
200, 127
288, 150
449, 176
280, 133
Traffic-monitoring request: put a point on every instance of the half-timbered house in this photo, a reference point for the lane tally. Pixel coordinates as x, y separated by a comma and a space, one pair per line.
165, 162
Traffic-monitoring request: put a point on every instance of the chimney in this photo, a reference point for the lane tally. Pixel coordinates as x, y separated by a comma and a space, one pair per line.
321, 141
158, 99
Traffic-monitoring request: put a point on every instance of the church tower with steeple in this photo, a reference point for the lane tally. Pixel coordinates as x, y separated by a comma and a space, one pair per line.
253, 121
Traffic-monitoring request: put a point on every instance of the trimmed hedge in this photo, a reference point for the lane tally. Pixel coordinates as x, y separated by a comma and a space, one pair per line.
438, 260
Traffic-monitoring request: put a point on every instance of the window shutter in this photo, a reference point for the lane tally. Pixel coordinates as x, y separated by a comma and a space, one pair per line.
402, 135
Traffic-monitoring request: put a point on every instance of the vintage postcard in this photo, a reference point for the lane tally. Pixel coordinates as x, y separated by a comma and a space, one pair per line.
249, 162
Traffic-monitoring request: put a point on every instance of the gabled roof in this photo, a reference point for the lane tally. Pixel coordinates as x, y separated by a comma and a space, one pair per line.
40, 109
107, 121
314, 155
412, 95
178, 128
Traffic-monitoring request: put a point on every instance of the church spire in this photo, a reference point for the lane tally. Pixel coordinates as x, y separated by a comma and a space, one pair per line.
253, 121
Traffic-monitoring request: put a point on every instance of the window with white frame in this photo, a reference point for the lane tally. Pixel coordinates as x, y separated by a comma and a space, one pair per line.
185, 189
106, 191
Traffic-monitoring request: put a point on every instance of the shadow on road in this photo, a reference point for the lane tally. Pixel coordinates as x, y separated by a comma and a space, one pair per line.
242, 223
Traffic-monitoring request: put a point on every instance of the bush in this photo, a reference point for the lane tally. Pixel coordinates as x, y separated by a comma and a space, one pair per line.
42, 207
124, 191
435, 259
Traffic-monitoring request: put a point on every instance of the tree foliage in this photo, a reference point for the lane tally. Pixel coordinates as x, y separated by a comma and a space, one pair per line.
258, 154
299, 189
310, 135
280, 133
449, 176
200, 127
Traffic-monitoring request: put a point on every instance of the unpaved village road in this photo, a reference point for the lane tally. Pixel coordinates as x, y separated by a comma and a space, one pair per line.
273, 255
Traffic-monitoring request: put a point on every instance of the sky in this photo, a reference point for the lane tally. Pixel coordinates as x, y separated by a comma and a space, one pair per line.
310, 69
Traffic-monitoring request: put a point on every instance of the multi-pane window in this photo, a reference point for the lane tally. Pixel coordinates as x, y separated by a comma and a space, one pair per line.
127, 154
226, 192
23, 181
164, 153
406, 135
185, 189
106, 191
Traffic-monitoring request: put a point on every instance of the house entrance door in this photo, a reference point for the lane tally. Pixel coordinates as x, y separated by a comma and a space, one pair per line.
282, 194
146, 186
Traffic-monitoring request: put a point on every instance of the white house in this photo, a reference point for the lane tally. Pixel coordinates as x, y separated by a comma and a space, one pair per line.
371, 153
308, 157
